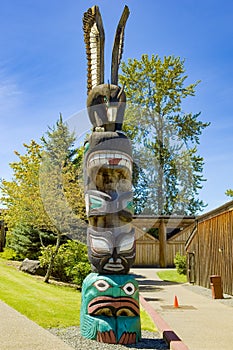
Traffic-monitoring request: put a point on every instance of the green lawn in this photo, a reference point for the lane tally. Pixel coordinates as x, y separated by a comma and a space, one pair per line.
48, 305
172, 276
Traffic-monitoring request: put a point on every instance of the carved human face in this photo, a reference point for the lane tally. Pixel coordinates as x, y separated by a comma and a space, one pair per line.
111, 251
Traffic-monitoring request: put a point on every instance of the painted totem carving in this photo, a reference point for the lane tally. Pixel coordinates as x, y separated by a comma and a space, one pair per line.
110, 305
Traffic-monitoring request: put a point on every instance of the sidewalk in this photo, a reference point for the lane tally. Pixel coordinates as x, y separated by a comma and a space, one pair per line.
200, 321
17, 332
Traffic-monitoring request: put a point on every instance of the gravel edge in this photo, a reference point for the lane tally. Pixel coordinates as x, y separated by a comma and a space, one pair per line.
72, 336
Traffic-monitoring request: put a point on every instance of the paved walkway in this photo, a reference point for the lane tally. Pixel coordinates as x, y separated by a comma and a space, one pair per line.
200, 321
17, 332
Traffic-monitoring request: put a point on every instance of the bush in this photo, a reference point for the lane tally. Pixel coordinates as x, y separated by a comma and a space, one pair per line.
71, 263
79, 272
181, 264
8, 254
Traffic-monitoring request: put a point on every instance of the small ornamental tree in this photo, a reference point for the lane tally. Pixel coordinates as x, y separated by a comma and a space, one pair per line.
25, 217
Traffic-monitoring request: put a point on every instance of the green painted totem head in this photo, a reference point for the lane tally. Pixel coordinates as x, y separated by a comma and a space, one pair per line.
110, 309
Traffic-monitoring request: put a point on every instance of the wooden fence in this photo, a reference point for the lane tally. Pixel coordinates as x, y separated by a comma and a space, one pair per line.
147, 249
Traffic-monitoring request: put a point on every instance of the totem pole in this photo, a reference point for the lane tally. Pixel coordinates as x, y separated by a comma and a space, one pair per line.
110, 297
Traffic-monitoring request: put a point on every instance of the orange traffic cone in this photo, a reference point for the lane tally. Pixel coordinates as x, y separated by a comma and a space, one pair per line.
176, 304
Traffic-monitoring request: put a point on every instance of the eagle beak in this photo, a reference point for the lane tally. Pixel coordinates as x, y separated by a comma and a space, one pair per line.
112, 114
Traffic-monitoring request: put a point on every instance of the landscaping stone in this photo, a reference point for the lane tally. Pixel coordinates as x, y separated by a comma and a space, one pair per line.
31, 266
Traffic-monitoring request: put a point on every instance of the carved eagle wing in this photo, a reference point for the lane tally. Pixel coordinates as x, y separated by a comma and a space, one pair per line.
118, 46
94, 40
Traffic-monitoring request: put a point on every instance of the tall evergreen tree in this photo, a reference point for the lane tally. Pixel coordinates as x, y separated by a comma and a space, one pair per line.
60, 185
165, 139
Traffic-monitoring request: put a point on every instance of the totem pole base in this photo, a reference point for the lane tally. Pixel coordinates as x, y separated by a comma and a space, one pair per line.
110, 310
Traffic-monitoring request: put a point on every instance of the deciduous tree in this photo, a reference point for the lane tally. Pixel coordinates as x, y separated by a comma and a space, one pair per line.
165, 138
229, 193
45, 200
21, 196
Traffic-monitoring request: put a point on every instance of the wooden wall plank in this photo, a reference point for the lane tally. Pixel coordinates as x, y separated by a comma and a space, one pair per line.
213, 249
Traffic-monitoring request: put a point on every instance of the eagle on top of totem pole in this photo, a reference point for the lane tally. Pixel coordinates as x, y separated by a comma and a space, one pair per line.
105, 102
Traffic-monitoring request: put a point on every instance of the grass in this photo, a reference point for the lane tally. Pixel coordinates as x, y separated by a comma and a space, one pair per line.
172, 276
146, 322
48, 305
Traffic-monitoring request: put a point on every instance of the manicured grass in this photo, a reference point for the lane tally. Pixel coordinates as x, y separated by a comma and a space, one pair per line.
48, 305
172, 276
146, 322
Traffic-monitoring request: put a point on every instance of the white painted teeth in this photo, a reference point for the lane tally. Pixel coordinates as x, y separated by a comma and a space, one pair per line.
99, 159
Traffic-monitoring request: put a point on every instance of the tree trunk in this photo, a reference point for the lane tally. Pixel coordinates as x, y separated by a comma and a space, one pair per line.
2, 236
53, 256
160, 184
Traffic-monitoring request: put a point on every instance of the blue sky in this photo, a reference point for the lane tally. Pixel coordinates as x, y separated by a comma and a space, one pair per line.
43, 69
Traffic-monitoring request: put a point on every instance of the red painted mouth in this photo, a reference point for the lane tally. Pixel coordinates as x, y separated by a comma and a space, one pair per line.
112, 307
114, 161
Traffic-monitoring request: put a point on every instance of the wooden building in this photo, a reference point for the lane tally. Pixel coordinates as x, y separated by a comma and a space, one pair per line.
210, 248
151, 251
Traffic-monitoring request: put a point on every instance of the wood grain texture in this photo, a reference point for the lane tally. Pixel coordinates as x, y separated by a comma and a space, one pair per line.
118, 46
212, 246
94, 38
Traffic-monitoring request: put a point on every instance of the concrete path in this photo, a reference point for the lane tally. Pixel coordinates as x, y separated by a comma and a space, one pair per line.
17, 332
200, 321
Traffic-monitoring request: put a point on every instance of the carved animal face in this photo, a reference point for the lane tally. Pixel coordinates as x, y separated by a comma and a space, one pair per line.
106, 106
110, 309
119, 288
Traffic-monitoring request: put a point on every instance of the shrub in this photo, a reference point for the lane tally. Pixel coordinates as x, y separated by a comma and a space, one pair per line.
181, 264
71, 263
79, 272
8, 254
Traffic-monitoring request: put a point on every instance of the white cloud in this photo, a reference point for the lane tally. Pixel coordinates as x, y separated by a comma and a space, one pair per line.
11, 95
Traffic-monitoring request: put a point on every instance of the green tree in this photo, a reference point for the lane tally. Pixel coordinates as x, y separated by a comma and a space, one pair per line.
140, 187
25, 214
61, 186
45, 200
26, 241
229, 193
165, 139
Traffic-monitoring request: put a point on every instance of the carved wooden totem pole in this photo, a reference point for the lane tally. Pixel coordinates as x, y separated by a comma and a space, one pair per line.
110, 298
